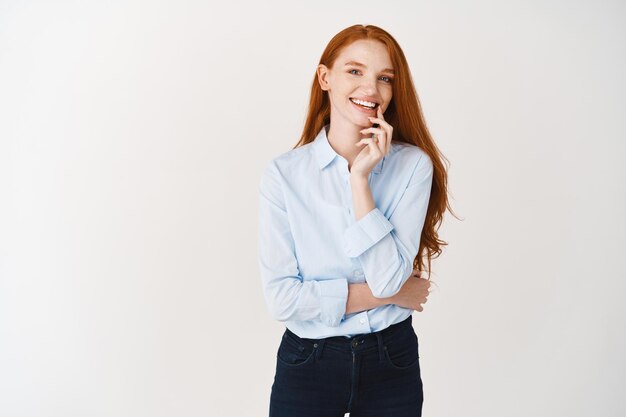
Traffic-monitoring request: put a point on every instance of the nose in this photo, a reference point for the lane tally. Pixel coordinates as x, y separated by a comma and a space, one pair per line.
370, 86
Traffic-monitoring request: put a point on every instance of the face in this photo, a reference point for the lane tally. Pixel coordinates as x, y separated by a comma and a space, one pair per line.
362, 72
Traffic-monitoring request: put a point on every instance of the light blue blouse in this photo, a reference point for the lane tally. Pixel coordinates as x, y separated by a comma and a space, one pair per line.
310, 246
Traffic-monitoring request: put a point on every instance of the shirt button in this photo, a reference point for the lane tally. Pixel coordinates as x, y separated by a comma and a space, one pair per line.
362, 321
358, 273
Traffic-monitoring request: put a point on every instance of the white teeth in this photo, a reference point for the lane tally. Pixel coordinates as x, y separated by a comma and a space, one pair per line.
364, 103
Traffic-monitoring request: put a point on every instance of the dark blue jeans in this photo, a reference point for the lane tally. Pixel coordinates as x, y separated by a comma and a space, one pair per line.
368, 375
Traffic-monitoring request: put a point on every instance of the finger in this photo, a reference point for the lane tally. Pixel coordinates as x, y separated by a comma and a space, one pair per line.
381, 141
372, 139
380, 136
388, 129
374, 135
378, 120
376, 130
369, 141
388, 134
388, 139
375, 145
379, 115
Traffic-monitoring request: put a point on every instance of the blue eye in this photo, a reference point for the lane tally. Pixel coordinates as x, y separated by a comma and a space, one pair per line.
388, 79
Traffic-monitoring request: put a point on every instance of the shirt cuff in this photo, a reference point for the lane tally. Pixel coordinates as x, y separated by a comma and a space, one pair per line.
366, 232
334, 296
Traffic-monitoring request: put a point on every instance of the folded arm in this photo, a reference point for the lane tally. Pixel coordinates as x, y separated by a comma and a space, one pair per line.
287, 295
387, 247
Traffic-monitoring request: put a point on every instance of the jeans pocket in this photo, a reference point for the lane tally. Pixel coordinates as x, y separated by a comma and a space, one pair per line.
294, 352
403, 352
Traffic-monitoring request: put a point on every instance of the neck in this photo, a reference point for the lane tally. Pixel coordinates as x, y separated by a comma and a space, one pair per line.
343, 136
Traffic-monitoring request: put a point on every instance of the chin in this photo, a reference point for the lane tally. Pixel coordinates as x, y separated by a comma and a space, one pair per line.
363, 122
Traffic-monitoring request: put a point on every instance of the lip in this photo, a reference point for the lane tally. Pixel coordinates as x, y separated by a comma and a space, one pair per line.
363, 109
367, 98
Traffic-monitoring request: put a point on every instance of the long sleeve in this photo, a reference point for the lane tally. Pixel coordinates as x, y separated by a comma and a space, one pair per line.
385, 247
288, 296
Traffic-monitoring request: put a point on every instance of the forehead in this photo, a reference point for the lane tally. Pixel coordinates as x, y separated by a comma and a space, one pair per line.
369, 52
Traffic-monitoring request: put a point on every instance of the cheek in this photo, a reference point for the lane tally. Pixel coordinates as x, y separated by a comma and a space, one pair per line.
388, 100
348, 86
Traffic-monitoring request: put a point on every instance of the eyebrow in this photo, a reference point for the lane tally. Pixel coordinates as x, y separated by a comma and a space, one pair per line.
358, 64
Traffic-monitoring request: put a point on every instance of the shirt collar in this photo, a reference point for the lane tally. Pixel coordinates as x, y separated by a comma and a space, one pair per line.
325, 153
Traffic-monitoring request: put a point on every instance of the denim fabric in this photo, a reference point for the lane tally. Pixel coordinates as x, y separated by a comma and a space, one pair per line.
368, 375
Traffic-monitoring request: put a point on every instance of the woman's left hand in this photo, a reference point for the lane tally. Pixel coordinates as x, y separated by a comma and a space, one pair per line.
376, 148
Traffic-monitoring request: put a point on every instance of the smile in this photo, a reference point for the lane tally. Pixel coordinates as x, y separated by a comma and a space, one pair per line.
364, 105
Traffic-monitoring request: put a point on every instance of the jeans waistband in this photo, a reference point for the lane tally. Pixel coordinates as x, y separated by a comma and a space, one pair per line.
357, 342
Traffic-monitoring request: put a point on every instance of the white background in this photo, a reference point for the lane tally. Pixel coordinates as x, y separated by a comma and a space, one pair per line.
132, 138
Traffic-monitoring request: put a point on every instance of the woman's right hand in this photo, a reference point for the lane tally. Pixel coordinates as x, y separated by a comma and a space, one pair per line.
413, 293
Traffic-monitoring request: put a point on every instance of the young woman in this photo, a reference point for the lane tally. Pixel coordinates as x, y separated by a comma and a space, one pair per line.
345, 218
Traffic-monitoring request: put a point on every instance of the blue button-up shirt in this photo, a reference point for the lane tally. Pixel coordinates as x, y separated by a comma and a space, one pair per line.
311, 246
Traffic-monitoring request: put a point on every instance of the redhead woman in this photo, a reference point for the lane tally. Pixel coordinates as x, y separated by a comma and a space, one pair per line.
346, 219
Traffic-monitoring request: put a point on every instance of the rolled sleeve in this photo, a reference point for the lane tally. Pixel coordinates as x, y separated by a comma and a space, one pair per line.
387, 248
334, 296
366, 232
288, 295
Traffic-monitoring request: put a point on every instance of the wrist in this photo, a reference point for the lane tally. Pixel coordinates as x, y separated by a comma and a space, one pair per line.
387, 300
384, 302
357, 179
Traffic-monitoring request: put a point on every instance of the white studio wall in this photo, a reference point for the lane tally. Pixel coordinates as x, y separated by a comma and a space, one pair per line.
132, 138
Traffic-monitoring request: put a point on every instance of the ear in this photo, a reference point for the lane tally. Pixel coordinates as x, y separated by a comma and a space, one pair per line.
322, 76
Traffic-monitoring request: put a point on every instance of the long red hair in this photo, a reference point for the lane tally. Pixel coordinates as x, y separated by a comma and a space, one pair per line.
404, 113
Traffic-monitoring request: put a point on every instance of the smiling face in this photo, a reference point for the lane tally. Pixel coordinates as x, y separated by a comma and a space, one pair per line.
361, 76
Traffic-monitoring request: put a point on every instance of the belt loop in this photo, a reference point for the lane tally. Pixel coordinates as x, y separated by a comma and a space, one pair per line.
381, 353
319, 345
